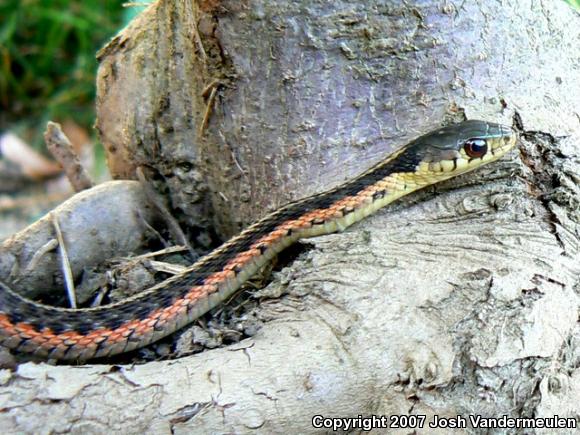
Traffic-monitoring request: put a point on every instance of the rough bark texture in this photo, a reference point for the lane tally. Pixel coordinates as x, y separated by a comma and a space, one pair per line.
150, 105
314, 92
462, 299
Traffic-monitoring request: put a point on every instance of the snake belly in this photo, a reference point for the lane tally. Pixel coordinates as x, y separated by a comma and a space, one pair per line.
83, 334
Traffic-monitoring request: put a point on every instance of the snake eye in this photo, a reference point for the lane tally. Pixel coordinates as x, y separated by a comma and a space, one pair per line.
475, 148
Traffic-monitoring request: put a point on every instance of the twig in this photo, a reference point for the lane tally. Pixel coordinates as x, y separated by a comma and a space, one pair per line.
47, 247
208, 111
172, 223
212, 85
234, 158
193, 22
62, 150
198, 43
161, 266
68, 278
98, 300
165, 251
154, 231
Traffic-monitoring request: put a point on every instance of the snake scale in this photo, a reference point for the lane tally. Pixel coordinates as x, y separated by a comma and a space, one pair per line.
83, 334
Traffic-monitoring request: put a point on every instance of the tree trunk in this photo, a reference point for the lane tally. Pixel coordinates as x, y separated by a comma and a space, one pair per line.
461, 299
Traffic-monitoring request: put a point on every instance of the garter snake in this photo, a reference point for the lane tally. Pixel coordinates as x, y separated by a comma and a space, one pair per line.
82, 334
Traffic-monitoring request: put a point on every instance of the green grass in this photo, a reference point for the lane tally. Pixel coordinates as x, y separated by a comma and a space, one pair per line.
47, 58
574, 3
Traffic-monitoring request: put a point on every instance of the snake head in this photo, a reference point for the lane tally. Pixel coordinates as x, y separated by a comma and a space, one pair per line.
460, 148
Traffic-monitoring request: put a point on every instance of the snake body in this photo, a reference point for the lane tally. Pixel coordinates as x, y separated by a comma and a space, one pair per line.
82, 334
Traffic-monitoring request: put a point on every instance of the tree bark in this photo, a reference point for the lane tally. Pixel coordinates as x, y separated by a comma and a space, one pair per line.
462, 299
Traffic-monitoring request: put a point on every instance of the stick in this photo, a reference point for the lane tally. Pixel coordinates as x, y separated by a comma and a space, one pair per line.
62, 150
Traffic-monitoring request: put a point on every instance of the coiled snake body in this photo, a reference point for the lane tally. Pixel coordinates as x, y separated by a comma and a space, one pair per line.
82, 334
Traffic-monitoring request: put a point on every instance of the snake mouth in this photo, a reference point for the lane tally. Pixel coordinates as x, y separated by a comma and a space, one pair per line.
501, 145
